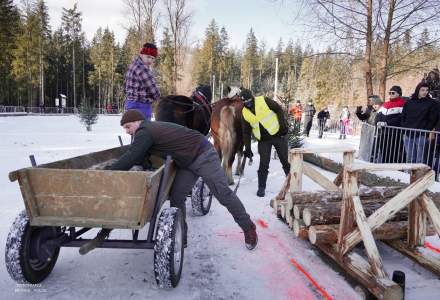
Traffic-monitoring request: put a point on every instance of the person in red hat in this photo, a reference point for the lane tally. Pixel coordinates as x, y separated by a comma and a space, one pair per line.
141, 89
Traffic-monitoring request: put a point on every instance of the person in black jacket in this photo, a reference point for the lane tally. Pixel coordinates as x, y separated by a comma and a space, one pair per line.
323, 116
194, 157
309, 112
265, 120
419, 112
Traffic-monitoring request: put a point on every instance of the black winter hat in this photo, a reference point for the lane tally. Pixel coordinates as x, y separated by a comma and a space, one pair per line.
132, 115
204, 91
396, 89
246, 94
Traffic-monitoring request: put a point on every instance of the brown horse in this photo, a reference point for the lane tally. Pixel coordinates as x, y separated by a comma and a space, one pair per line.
227, 133
193, 112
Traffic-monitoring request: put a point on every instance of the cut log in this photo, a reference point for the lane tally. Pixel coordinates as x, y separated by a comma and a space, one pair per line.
330, 213
299, 229
336, 196
328, 234
284, 189
317, 177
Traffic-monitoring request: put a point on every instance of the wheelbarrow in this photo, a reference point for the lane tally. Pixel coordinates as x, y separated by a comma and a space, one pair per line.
67, 198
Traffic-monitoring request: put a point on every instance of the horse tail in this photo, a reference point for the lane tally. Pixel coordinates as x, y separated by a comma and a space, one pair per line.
226, 132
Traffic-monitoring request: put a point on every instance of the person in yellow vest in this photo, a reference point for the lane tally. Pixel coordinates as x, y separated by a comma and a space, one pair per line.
265, 120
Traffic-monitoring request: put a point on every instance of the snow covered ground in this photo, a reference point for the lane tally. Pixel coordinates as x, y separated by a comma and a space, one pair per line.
216, 264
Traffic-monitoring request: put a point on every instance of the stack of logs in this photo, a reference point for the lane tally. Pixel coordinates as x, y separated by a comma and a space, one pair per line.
316, 215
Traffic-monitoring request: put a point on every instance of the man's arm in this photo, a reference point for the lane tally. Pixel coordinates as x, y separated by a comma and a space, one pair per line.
137, 152
247, 131
276, 108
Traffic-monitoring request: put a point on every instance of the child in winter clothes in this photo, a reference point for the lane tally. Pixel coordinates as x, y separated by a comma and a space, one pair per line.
344, 121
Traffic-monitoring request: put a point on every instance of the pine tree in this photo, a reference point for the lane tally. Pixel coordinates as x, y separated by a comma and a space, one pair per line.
88, 116
250, 61
166, 63
71, 23
9, 23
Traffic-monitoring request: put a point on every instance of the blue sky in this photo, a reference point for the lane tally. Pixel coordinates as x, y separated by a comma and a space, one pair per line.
270, 20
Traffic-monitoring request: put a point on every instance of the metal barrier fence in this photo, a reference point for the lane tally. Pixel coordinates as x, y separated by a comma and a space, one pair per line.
389, 144
50, 110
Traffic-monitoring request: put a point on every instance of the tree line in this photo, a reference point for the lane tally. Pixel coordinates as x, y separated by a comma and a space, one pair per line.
38, 64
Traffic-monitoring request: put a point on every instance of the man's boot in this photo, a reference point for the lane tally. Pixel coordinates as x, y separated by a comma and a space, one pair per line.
251, 237
262, 177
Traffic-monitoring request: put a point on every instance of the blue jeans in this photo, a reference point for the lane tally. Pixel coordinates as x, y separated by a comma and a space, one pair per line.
414, 148
145, 108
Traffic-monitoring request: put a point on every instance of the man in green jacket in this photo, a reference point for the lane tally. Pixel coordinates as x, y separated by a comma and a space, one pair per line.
194, 157
265, 120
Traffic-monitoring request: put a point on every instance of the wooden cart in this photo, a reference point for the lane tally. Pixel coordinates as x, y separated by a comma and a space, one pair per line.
66, 198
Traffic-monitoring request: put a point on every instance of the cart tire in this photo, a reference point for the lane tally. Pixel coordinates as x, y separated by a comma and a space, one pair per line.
201, 198
168, 248
22, 262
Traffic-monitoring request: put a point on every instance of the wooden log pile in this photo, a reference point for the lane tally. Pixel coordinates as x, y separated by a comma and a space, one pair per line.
337, 219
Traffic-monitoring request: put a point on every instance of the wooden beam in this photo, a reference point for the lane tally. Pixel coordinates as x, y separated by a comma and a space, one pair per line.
416, 218
359, 269
389, 209
327, 149
432, 212
350, 188
387, 167
369, 243
430, 263
296, 171
319, 178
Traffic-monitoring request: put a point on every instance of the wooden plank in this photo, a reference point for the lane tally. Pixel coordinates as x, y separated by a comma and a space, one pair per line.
428, 262
387, 167
416, 218
390, 209
356, 266
369, 243
350, 188
432, 212
296, 171
319, 178
327, 149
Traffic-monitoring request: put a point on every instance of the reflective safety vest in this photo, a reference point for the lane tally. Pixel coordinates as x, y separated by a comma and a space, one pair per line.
263, 115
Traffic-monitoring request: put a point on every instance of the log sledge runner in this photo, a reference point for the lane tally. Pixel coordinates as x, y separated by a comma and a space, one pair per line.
67, 198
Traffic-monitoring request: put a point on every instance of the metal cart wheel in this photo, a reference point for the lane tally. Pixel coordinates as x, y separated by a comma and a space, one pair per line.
168, 248
29, 258
201, 198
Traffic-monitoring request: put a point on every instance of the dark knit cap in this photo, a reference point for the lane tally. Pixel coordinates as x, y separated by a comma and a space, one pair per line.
132, 115
246, 94
397, 89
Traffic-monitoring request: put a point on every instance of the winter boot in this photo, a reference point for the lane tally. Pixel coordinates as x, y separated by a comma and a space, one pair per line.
251, 237
262, 177
261, 191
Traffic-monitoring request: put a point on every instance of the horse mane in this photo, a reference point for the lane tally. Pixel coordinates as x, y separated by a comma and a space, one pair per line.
166, 108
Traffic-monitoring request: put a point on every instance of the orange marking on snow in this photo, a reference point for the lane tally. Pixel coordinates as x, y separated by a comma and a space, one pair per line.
429, 246
262, 223
310, 278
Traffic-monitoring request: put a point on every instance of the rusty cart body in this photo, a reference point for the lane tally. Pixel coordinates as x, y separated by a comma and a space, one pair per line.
67, 198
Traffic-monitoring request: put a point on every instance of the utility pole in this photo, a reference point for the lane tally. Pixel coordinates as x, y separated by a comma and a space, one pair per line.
275, 97
213, 86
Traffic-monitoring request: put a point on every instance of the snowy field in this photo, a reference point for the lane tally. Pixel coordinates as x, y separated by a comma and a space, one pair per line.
216, 265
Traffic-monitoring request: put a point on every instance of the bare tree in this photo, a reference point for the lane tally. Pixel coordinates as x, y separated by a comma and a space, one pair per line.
395, 20
179, 21
378, 25
144, 17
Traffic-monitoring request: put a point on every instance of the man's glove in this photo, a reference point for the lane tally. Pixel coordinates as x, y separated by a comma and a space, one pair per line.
381, 124
359, 109
107, 167
248, 153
